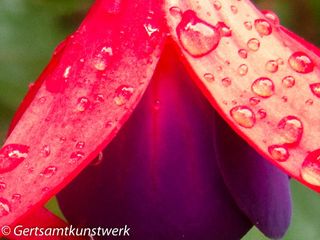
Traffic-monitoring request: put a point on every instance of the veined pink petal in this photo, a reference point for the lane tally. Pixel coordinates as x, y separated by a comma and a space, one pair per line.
94, 81
261, 78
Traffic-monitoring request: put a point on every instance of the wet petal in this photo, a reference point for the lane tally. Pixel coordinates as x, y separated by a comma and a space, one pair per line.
266, 78
159, 175
261, 190
96, 77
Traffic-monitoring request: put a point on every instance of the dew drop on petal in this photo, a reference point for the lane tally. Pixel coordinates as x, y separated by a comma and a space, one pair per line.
175, 11
248, 25
67, 72
76, 156
271, 16
45, 151
279, 153
315, 89
243, 116
83, 104
263, 27
253, 44
226, 82
11, 156
263, 87
3, 186
49, 171
290, 129
301, 62
5, 207
243, 70
310, 171
196, 36
243, 53
309, 102
217, 5
16, 197
209, 77
288, 81
234, 9
80, 145
123, 94
98, 160
254, 101
272, 66
262, 113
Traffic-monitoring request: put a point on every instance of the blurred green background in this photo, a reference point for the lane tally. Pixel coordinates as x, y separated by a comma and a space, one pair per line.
30, 29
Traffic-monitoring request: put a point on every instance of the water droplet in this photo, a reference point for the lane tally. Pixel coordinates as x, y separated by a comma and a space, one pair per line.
290, 129
11, 156
279, 153
80, 145
263, 27
224, 30
209, 77
243, 116
217, 5
271, 16
288, 81
248, 25
263, 87
2, 186
42, 100
123, 94
98, 160
67, 72
5, 207
309, 102
76, 156
301, 63
226, 82
175, 12
254, 101
243, 53
262, 113
45, 151
243, 70
83, 103
197, 37
100, 62
234, 9
272, 66
49, 171
315, 89
310, 170
150, 29
156, 105
253, 44
16, 197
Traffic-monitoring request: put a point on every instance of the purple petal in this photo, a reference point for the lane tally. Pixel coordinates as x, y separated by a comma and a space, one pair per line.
159, 175
260, 189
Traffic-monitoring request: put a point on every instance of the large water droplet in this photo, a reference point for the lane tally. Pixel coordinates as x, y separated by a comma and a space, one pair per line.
49, 171
102, 59
5, 207
196, 36
263, 27
301, 62
315, 89
243, 116
310, 170
279, 153
288, 81
263, 87
11, 156
123, 94
253, 44
291, 129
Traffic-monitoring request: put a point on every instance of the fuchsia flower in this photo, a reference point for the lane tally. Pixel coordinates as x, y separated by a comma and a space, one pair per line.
175, 169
